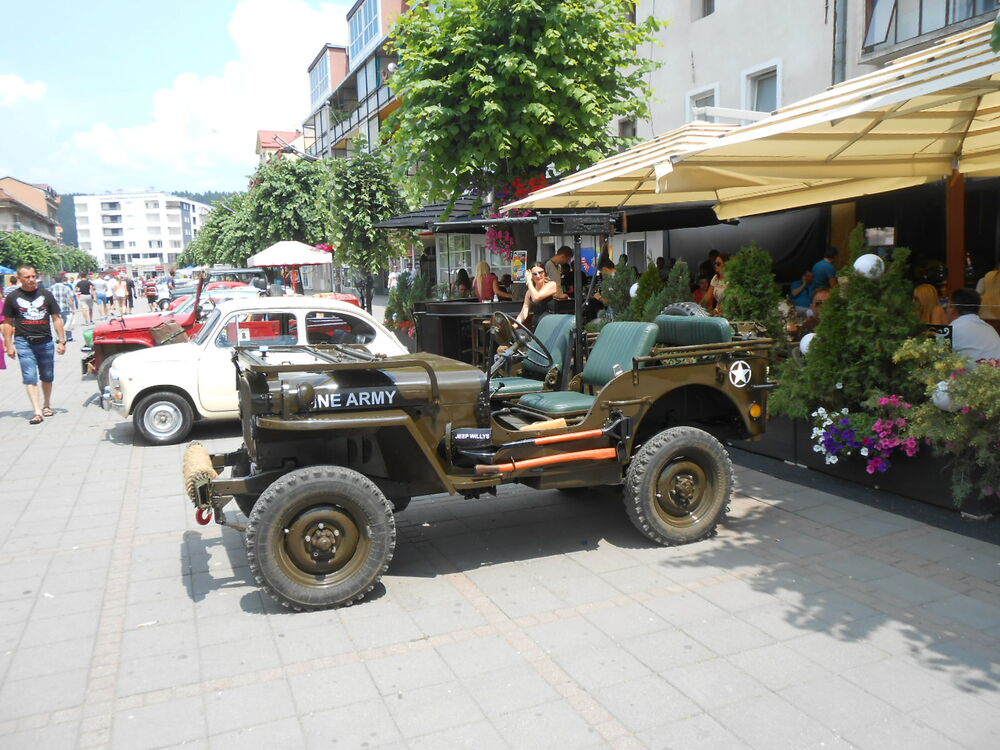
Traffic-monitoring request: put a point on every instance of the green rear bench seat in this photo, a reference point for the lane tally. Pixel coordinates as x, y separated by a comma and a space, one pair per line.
682, 330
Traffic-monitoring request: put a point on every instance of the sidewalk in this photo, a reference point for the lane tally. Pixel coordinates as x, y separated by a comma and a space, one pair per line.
535, 619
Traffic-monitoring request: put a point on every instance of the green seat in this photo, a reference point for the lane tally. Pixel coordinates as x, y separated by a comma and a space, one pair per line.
554, 333
682, 330
617, 345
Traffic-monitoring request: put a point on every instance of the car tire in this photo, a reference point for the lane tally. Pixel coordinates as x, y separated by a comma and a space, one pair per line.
163, 418
678, 486
689, 309
320, 537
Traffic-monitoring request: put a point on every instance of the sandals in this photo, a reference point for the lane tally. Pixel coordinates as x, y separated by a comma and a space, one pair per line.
47, 412
37, 419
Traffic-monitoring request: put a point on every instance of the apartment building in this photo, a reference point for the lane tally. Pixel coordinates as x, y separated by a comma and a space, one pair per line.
142, 232
350, 92
29, 208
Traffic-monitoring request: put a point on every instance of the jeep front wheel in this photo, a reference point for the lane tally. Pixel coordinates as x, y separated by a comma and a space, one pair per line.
163, 418
320, 537
678, 486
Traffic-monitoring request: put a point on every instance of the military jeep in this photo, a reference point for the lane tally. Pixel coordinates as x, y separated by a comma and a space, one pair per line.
337, 440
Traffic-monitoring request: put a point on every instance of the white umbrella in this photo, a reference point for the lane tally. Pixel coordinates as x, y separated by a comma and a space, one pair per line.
290, 253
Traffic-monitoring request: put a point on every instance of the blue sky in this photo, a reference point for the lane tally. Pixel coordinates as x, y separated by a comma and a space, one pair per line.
113, 95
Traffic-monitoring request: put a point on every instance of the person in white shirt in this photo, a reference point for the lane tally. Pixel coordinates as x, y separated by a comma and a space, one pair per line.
970, 334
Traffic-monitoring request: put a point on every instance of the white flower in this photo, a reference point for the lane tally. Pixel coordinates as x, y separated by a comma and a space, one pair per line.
831, 459
839, 386
817, 432
864, 451
844, 410
818, 448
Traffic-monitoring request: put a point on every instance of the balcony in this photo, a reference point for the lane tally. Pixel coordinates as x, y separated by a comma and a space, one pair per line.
368, 107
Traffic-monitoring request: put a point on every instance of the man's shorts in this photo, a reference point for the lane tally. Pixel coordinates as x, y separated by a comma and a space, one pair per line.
103, 298
37, 360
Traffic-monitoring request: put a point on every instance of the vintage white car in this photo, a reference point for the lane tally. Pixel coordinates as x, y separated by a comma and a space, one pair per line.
168, 388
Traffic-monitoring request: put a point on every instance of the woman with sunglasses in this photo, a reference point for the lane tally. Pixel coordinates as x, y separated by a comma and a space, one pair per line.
538, 297
716, 287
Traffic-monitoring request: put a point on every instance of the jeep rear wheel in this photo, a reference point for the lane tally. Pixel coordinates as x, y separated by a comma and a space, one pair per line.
320, 537
678, 486
163, 418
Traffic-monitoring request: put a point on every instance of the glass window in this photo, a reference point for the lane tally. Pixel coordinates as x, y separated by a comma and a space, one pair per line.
764, 91
257, 329
364, 28
319, 80
111, 206
702, 99
888, 22
152, 204
336, 328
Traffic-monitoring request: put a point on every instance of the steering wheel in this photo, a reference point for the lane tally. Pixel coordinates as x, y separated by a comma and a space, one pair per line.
521, 340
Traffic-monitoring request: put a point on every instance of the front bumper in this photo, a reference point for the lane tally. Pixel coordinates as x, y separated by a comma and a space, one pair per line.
111, 398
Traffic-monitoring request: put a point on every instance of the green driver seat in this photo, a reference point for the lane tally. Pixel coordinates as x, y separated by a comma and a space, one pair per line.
554, 332
616, 346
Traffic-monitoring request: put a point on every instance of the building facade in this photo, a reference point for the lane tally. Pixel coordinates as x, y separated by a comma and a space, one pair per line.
141, 232
29, 208
350, 86
737, 60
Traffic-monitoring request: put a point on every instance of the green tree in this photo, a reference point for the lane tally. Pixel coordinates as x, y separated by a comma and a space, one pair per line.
290, 200
753, 294
21, 247
364, 193
494, 91
864, 322
650, 285
75, 260
677, 289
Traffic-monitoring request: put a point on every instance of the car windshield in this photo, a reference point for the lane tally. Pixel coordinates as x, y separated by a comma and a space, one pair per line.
209, 326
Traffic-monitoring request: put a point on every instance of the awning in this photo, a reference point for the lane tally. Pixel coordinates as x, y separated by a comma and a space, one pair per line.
427, 216
907, 124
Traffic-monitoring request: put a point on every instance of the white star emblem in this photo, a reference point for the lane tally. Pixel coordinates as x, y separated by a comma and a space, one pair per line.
739, 374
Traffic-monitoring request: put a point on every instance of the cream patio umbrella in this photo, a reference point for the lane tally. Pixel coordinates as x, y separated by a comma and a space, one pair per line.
919, 119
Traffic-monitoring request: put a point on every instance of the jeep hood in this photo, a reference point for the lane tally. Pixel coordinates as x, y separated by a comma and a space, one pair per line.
135, 323
183, 354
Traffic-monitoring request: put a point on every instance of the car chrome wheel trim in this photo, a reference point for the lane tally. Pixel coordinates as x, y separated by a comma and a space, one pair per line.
162, 418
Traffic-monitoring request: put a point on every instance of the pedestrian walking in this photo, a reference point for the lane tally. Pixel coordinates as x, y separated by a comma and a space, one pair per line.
120, 295
130, 297
149, 287
29, 315
66, 299
85, 297
163, 293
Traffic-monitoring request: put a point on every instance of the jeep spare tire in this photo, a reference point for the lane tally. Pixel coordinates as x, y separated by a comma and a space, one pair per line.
163, 418
320, 537
678, 486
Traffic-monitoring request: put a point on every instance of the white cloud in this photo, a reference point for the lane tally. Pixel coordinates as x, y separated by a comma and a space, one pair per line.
13, 89
202, 127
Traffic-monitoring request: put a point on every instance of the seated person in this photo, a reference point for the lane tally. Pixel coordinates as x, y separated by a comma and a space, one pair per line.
820, 296
928, 307
970, 334
801, 292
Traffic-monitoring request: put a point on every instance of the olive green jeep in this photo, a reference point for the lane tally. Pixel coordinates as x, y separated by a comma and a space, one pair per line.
335, 441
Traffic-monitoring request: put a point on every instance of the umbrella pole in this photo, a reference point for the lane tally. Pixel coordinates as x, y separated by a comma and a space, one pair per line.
955, 233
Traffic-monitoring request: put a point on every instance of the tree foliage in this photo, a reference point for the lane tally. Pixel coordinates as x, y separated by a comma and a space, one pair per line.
676, 289
493, 91
753, 294
75, 260
23, 248
364, 194
863, 324
650, 285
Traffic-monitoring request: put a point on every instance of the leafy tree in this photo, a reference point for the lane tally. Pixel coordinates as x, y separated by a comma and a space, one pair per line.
650, 285
494, 91
21, 247
228, 236
677, 289
864, 323
75, 260
290, 200
753, 294
364, 194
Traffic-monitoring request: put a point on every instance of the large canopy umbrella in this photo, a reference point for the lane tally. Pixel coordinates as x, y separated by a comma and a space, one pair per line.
289, 254
931, 115
4, 269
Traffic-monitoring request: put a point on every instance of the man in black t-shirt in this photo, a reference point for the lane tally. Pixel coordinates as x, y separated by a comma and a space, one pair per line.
29, 313
85, 294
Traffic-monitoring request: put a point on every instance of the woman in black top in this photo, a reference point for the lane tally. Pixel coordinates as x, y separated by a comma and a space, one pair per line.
538, 297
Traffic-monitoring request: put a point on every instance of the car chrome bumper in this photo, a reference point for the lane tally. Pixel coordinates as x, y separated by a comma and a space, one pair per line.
109, 402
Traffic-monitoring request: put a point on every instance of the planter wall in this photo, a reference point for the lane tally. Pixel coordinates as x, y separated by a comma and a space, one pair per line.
405, 340
924, 477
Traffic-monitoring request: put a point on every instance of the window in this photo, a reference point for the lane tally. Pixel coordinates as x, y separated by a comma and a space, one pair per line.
111, 219
319, 80
82, 220
173, 230
85, 246
702, 8
152, 204
152, 218
889, 22
626, 128
257, 329
636, 252
111, 206
364, 29
334, 328
154, 230
175, 243
113, 244
704, 98
762, 89
115, 259
83, 233
156, 243
113, 232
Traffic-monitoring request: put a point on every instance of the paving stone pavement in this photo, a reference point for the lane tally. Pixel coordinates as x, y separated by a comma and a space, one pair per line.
536, 619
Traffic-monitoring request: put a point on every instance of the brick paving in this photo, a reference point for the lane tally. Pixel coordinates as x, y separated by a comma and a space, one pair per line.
535, 619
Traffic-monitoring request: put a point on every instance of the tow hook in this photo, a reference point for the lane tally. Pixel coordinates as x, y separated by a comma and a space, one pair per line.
203, 516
